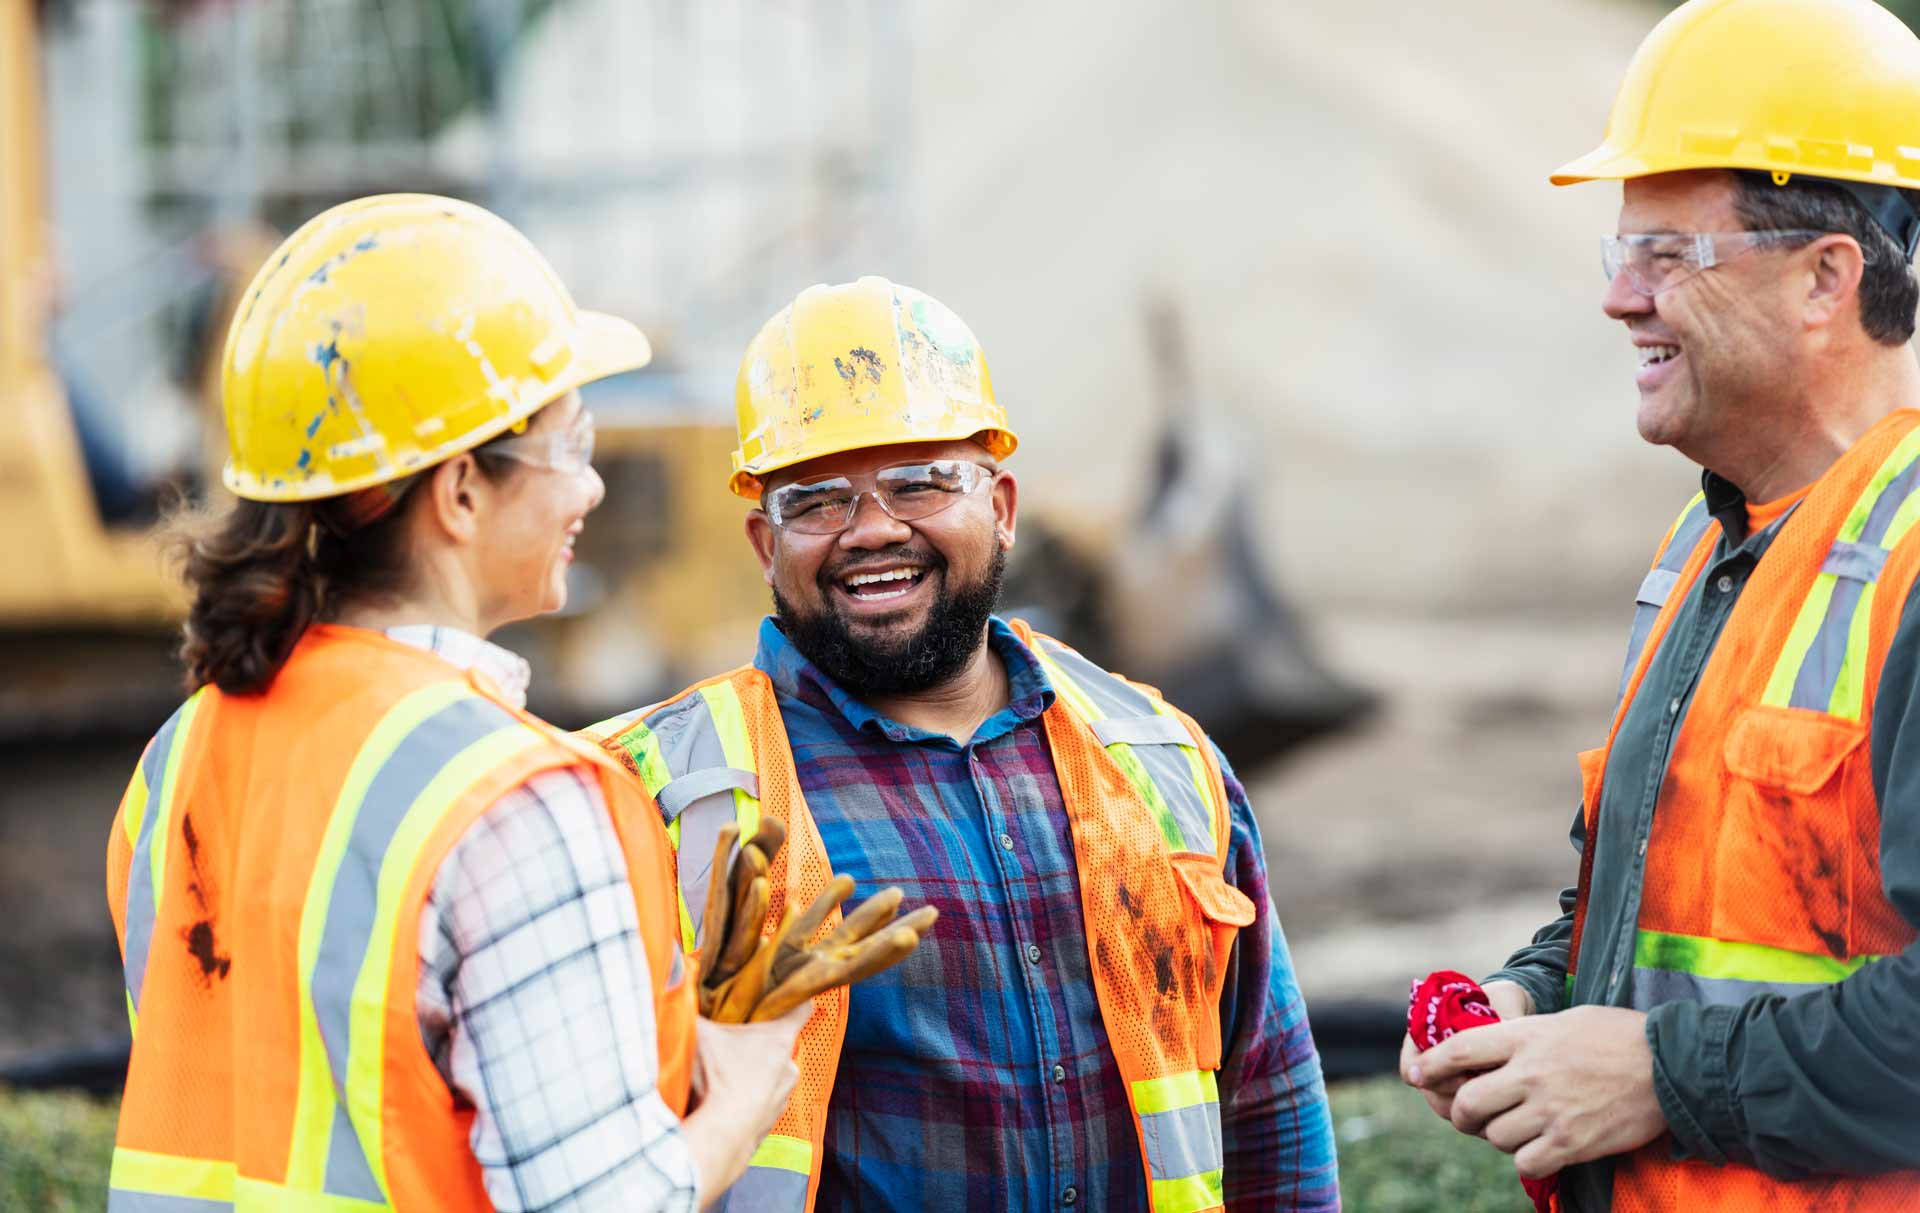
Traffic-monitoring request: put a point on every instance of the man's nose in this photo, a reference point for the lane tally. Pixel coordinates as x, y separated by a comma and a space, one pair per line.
1621, 300
871, 526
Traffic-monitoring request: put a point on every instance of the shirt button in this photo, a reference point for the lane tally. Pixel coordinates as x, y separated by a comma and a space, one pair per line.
1673, 707
1033, 953
1724, 585
1069, 1196
1643, 846
1006, 842
1059, 1073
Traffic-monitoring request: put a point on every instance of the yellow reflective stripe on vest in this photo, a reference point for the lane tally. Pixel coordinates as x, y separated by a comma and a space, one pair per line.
315, 1099
730, 721
785, 1154
1682, 537
159, 781
1191, 1194
138, 1172
421, 759
259, 1196
1740, 961
366, 1062
1180, 1133
1822, 667
1083, 706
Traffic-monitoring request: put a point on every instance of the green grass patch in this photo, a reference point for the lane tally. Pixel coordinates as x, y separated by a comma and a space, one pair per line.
55, 1149
1396, 1156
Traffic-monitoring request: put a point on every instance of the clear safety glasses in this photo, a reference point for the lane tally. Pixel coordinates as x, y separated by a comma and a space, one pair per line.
1661, 261
906, 491
568, 452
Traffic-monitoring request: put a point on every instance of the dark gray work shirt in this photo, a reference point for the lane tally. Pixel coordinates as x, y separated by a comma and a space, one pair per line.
1827, 1081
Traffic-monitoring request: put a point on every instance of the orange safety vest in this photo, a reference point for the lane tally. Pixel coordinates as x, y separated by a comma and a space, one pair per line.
1762, 871
266, 874
1148, 812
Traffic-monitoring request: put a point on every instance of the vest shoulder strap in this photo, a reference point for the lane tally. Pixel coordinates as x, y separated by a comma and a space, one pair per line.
1161, 750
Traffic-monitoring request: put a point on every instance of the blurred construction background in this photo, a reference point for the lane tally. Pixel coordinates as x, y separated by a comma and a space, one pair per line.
1322, 427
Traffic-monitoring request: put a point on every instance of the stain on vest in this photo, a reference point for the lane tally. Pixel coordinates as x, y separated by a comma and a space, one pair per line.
199, 937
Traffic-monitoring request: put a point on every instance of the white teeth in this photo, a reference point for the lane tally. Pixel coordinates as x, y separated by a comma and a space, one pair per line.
889, 575
1654, 355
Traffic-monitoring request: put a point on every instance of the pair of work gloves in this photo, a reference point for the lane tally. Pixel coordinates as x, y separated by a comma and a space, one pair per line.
746, 977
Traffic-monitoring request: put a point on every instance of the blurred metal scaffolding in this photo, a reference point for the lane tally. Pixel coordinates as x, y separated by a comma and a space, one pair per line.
688, 164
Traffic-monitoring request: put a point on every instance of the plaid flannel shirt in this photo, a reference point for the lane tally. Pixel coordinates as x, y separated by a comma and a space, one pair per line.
977, 1073
534, 997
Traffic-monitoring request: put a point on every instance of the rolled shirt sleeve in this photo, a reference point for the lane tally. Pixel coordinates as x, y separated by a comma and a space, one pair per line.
1541, 967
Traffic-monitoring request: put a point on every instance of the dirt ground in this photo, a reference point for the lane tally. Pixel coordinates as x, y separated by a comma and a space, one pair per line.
1434, 838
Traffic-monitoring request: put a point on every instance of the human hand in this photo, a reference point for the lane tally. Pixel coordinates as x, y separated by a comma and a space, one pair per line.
1552, 1090
1506, 999
743, 1075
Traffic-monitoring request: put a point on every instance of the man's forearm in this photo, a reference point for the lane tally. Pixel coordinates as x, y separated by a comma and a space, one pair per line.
1827, 1081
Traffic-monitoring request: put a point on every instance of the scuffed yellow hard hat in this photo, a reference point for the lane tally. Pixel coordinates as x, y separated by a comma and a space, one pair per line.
1825, 88
860, 364
391, 333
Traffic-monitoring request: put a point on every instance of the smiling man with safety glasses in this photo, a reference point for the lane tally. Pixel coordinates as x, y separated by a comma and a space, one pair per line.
1105, 1016
1723, 1016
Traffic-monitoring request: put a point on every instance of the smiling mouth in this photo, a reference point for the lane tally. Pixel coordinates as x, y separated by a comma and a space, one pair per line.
1655, 355
882, 585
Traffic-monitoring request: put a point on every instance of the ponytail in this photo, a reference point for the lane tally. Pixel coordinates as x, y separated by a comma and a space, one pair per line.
261, 573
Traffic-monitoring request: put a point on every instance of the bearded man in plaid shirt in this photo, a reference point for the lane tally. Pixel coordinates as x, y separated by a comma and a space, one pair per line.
1105, 1015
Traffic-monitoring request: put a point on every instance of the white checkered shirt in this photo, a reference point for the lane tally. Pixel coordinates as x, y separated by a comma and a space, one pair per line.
534, 998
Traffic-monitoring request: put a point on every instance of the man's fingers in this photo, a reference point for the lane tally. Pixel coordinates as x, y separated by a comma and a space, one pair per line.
1541, 1157
1465, 1052
1515, 1127
1484, 1098
1409, 1058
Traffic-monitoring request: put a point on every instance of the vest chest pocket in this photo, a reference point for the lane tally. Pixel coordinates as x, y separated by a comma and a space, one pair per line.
1221, 910
1783, 861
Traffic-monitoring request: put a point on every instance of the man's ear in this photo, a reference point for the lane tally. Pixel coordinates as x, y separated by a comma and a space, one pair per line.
761, 534
1006, 508
1833, 284
457, 496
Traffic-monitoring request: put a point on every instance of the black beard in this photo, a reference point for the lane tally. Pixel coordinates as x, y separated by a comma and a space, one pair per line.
954, 631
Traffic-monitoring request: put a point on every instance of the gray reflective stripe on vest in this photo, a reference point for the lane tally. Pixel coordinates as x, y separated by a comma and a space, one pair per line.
142, 898
119, 1200
766, 1190
684, 790
1651, 987
1658, 584
1158, 748
1142, 730
690, 746
1184, 1141
344, 940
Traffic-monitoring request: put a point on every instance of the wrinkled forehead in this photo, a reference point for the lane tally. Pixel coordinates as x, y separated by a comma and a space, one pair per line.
1693, 201
864, 461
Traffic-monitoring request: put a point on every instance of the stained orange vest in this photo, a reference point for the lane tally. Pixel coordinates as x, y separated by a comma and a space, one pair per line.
266, 875
1762, 870
1148, 811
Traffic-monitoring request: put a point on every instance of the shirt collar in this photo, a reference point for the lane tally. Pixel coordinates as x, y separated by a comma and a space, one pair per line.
509, 671
793, 676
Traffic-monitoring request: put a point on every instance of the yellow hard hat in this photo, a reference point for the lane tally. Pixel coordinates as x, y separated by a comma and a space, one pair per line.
1824, 88
860, 364
391, 333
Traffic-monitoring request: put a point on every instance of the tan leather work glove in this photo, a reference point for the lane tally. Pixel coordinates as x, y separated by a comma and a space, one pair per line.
749, 978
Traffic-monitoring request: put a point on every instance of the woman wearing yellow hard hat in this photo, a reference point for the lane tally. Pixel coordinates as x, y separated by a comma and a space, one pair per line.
390, 941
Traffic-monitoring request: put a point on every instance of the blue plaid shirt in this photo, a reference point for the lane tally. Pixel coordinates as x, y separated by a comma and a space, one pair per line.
977, 1074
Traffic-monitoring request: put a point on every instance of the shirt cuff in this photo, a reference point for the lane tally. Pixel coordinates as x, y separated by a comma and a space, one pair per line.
1690, 1048
1547, 988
